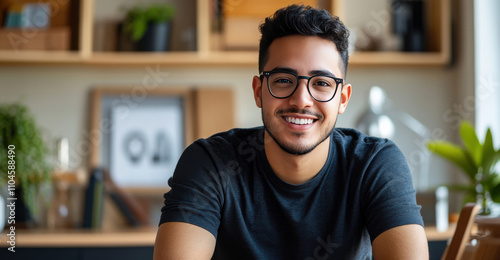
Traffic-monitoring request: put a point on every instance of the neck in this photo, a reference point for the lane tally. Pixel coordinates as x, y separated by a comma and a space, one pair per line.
296, 169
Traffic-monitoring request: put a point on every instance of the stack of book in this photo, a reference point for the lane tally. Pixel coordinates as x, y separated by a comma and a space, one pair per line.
101, 185
29, 15
27, 26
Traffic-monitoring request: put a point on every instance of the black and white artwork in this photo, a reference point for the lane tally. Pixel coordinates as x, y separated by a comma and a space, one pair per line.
146, 141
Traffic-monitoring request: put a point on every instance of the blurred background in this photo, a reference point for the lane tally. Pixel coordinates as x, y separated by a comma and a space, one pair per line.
77, 63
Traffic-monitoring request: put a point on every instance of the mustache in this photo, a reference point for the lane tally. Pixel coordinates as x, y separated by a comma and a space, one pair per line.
298, 111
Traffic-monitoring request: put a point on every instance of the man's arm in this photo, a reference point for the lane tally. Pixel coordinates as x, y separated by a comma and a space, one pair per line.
403, 242
178, 240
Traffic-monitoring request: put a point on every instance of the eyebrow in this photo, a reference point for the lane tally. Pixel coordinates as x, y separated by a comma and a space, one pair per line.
312, 72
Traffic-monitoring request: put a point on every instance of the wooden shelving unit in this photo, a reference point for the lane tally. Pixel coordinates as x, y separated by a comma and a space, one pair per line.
440, 17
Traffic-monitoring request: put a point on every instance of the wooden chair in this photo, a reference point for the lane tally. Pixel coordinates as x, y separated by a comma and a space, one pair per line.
488, 239
455, 249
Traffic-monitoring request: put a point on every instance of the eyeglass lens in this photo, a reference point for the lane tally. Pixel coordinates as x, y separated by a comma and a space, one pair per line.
283, 84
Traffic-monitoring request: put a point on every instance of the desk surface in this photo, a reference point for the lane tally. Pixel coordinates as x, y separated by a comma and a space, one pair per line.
120, 238
81, 238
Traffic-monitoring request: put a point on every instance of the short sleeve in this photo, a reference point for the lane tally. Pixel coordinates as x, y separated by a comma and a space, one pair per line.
196, 190
391, 200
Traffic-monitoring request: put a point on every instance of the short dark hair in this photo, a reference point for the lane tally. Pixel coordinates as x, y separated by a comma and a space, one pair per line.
307, 21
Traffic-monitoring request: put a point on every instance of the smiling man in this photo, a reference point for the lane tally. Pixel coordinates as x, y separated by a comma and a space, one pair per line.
297, 188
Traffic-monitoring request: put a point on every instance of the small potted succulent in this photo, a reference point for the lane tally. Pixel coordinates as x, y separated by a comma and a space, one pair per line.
25, 163
149, 27
478, 161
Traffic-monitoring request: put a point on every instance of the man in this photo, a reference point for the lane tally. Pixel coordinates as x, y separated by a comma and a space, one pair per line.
298, 188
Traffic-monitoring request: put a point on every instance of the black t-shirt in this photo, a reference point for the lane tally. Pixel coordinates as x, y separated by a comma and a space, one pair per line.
225, 185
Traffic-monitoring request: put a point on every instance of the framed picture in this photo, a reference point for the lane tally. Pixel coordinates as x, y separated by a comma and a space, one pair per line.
139, 136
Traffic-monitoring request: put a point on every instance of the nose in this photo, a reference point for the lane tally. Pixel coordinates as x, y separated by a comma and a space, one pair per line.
301, 97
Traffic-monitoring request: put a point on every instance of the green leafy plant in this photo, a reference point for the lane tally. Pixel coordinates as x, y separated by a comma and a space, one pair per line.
138, 18
477, 160
19, 133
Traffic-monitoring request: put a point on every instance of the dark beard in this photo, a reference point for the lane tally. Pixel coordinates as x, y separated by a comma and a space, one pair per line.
295, 150
290, 148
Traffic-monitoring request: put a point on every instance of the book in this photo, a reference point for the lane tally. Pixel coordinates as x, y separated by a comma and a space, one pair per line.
92, 216
101, 185
35, 15
13, 16
127, 212
128, 204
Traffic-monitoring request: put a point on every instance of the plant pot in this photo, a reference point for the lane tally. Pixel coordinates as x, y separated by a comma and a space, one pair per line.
156, 38
24, 217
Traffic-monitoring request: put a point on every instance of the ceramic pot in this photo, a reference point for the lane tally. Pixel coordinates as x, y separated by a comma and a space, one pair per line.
156, 38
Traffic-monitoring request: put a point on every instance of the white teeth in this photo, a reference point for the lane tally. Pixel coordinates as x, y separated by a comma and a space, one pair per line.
299, 121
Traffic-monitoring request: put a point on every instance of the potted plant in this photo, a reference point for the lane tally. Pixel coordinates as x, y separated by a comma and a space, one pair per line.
22, 146
478, 161
149, 27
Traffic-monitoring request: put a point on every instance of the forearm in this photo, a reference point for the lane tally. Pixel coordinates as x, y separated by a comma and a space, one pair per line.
404, 242
176, 240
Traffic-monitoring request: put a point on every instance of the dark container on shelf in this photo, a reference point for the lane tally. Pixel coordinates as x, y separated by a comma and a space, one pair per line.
156, 38
409, 22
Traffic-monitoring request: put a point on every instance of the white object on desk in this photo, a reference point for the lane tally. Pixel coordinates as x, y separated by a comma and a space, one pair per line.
2, 212
442, 209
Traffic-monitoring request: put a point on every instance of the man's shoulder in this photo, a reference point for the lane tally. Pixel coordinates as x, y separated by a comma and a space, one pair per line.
229, 142
232, 137
355, 137
351, 142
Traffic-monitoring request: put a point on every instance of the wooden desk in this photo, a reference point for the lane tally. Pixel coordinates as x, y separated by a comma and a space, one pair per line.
434, 235
81, 238
124, 237
124, 244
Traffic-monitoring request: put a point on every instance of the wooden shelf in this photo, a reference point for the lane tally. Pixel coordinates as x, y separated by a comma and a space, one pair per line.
434, 235
207, 56
174, 58
399, 58
41, 57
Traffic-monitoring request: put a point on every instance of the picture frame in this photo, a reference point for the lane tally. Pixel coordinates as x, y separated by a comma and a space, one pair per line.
139, 134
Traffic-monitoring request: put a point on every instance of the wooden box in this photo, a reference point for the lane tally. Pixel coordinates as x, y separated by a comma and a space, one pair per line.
242, 19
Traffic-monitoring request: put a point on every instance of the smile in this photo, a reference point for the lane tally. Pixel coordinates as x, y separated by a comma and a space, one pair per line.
299, 121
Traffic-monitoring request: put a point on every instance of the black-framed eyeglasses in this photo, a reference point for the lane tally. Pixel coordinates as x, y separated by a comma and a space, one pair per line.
283, 84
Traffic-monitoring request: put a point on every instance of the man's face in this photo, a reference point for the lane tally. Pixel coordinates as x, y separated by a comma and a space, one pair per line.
282, 117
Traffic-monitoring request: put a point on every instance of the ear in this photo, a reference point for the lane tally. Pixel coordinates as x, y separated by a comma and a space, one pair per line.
257, 90
344, 97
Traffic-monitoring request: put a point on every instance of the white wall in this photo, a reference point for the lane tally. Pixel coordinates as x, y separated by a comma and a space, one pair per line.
487, 60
